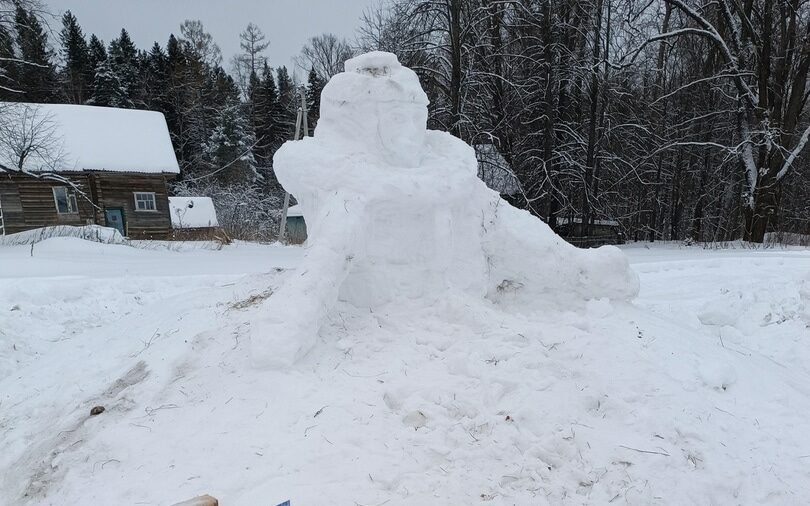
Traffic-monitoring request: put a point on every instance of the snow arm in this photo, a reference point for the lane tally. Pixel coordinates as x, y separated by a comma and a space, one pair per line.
294, 314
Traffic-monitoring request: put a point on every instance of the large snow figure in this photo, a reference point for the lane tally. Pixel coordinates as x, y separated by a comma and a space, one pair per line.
394, 211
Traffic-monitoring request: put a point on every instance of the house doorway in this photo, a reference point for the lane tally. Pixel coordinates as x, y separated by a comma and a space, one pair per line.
114, 218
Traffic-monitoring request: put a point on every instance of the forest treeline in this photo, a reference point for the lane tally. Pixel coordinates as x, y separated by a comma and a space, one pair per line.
678, 119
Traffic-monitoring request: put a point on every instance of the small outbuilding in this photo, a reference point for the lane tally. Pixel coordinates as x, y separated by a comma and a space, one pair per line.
193, 217
296, 226
599, 232
91, 165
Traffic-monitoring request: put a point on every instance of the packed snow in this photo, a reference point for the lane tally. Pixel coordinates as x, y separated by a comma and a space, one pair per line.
83, 137
89, 232
430, 345
396, 214
192, 212
457, 403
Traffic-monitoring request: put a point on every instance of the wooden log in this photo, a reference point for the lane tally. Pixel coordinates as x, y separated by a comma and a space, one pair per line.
203, 500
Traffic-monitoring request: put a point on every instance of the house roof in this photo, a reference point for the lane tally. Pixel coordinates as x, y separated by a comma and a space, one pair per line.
294, 211
192, 212
83, 137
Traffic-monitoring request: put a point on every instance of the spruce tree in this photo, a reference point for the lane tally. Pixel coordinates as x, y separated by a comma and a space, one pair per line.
107, 88
155, 79
314, 87
266, 111
9, 88
97, 55
77, 73
35, 73
228, 152
123, 62
288, 103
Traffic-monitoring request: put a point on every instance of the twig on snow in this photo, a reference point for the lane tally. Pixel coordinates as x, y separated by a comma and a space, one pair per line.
646, 451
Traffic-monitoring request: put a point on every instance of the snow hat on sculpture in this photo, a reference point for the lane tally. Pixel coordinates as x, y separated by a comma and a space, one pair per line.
395, 211
376, 103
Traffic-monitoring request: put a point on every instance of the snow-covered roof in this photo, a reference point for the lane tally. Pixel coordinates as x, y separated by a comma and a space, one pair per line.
83, 137
495, 171
192, 212
294, 211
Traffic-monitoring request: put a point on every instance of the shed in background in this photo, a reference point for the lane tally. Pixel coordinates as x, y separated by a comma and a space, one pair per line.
296, 226
194, 218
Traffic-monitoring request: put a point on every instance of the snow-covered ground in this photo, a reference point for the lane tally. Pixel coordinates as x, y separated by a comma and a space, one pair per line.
696, 393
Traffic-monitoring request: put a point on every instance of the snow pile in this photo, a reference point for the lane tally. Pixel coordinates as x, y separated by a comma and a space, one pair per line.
192, 212
94, 233
397, 212
454, 404
83, 137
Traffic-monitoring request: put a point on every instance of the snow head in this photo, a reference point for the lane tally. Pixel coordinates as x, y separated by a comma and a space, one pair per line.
376, 105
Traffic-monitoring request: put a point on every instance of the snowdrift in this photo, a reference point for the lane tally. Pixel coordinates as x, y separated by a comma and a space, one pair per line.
396, 212
94, 233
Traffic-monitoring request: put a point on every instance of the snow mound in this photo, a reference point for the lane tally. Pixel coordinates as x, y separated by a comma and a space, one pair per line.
396, 212
93, 233
193, 212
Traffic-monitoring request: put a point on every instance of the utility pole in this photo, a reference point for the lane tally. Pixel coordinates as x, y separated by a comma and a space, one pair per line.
300, 124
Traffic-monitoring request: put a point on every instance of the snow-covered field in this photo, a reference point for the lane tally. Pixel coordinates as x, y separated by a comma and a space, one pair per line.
696, 393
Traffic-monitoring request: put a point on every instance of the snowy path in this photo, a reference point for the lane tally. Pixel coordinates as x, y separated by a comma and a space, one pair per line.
695, 394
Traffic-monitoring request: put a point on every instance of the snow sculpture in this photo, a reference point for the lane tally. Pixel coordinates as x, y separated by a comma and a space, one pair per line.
394, 211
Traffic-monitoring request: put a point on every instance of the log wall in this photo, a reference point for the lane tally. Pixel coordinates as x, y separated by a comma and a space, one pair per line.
28, 202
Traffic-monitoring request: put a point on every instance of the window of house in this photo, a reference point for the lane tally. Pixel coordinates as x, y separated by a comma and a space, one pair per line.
145, 201
65, 200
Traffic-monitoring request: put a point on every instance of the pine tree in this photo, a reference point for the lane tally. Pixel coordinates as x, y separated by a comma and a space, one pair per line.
77, 73
35, 74
314, 87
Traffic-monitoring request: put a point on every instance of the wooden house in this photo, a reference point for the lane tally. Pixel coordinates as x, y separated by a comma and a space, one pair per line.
111, 167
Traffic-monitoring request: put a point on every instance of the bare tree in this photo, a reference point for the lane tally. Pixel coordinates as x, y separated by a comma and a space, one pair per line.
200, 43
249, 63
765, 59
29, 141
325, 53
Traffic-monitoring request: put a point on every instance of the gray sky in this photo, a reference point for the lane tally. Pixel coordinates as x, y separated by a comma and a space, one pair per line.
287, 23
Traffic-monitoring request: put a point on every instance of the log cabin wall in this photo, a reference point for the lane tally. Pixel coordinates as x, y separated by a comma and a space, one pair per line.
116, 190
28, 202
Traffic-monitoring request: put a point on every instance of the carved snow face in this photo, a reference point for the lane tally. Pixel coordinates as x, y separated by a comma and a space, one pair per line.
401, 128
377, 105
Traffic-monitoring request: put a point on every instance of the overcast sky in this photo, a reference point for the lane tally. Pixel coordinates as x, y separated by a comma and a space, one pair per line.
287, 23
